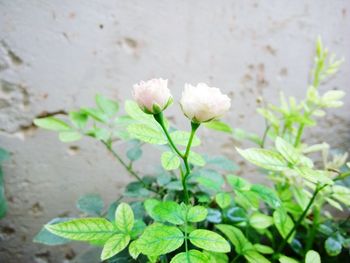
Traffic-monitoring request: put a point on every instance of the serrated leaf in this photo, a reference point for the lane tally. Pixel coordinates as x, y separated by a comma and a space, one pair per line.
235, 235
170, 160
182, 137
114, 245
260, 221
108, 106
218, 126
52, 123
266, 159
91, 204
267, 195
196, 159
146, 133
312, 257
158, 239
124, 218
193, 256
283, 223
169, 211
223, 200
197, 213
83, 229
332, 246
209, 240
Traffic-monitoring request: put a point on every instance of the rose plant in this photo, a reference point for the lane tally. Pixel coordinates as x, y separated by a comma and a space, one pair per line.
195, 208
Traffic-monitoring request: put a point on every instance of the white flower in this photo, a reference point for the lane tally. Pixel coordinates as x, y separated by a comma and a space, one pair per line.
202, 103
152, 96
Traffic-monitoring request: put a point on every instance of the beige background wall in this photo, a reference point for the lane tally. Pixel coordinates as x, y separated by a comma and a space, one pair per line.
55, 55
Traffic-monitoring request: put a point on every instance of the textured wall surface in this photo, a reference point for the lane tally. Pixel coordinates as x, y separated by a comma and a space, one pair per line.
55, 55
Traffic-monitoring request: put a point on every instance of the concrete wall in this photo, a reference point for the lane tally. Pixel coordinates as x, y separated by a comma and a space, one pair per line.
55, 55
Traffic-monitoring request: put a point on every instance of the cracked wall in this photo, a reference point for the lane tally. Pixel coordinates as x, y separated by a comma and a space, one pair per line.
55, 55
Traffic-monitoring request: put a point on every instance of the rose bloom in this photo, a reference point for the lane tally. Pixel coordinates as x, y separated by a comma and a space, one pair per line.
202, 103
152, 96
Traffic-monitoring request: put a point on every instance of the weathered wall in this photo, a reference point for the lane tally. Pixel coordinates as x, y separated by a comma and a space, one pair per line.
56, 55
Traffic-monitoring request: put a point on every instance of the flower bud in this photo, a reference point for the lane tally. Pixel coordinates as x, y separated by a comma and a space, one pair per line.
202, 103
152, 96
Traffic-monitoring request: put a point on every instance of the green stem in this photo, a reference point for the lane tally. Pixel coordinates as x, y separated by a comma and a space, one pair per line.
160, 119
299, 134
301, 218
262, 144
312, 234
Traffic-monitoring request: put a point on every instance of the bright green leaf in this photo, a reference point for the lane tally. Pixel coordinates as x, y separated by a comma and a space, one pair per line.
83, 229
312, 257
197, 213
114, 245
253, 256
267, 195
209, 240
52, 123
238, 183
266, 159
263, 249
170, 160
169, 211
218, 126
215, 257
182, 137
124, 218
79, 119
47, 238
260, 221
108, 106
133, 250
158, 239
223, 199
283, 223
193, 256
96, 114
235, 235
196, 159
146, 133
285, 259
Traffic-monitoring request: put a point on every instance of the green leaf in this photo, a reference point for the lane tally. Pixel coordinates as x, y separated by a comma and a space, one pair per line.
196, 159
312, 257
182, 137
48, 238
134, 153
134, 111
285, 259
83, 229
333, 246
124, 218
238, 183
215, 257
133, 250
247, 199
69, 136
240, 135
260, 221
159, 239
218, 126
253, 256
169, 211
52, 123
91, 204
209, 240
193, 256
197, 214
79, 119
266, 159
283, 223
114, 245
149, 205
263, 249
146, 133
106, 105
235, 235
223, 200
170, 161
287, 150
96, 114
314, 176
267, 195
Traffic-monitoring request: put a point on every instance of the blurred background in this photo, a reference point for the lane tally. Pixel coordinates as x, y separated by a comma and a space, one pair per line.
56, 55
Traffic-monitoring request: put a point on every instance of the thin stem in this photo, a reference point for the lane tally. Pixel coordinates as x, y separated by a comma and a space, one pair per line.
159, 118
315, 223
262, 144
299, 134
301, 218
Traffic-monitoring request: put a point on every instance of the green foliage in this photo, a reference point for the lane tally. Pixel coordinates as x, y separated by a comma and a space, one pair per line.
3, 203
179, 211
